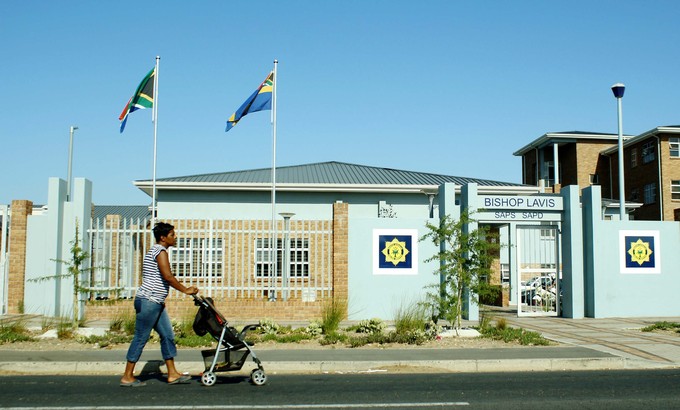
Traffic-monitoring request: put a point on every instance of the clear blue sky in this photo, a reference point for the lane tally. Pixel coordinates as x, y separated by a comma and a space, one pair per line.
449, 87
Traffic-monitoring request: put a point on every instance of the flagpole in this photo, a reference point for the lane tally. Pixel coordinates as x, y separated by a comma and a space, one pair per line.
274, 239
154, 118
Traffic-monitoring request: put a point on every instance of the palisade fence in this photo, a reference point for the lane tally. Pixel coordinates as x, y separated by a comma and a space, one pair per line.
224, 258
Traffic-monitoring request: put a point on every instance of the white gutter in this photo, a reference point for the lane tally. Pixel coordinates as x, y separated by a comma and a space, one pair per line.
145, 186
658, 160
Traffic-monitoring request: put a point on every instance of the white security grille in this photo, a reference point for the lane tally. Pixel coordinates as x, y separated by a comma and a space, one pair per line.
538, 262
223, 258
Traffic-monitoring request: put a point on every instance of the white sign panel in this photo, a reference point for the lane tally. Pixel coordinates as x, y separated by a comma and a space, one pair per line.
529, 203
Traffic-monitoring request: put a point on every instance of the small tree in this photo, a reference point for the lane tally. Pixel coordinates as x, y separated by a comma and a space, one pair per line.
464, 266
75, 270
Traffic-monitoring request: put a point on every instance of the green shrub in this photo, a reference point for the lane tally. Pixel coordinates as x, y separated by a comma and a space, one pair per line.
510, 334
314, 329
14, 332
371, 326
123, 323
65, 328
412, 337
268, 326
109, 339
662, 326
185, 335
411, 318
332, 338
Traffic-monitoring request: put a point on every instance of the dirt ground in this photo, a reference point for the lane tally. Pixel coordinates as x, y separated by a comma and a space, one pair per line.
452, 342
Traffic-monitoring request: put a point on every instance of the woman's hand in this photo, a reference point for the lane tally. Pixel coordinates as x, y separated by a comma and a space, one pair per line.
191, 290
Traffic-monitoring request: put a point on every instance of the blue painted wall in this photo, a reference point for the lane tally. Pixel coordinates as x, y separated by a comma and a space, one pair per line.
612, 292
381, 296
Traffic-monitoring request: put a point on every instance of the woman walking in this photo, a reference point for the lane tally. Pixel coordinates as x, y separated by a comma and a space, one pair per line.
149, 305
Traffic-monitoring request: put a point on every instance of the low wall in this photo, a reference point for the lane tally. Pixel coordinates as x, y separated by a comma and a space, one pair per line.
241, 311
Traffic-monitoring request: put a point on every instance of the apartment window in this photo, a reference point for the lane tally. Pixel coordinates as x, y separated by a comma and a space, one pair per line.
634, 194
633, 157
198, 257
675, 189
674, 143
298, 257
648, 152
650, 193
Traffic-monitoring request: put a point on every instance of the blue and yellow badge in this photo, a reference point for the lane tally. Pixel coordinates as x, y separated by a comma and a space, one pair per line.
395, 251
640, 252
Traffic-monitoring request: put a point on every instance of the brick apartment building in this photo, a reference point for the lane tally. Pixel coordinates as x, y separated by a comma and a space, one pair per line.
651, 168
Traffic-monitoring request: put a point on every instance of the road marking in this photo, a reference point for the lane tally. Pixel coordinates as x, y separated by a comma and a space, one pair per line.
263, 406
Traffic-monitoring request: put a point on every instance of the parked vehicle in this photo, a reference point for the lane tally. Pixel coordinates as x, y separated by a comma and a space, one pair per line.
537, 289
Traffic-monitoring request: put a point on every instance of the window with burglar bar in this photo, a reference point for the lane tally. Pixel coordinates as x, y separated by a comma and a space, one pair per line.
648, 152
675, 189
298, 257
649, 193
674, 146
198, 257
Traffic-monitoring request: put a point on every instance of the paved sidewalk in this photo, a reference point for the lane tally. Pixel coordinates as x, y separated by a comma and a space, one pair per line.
584, 344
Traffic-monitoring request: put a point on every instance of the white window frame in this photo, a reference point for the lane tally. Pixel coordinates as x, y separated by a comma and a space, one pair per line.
675, 189
674, 147
649, 195
634, 194
633, 157
196, 257
298, 257
648, 152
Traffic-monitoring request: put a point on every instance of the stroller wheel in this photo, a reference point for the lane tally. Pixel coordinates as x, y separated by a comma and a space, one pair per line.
208, 378
258, 377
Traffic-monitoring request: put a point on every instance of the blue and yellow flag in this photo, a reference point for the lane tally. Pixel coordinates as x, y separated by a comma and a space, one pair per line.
142, 98
260, 100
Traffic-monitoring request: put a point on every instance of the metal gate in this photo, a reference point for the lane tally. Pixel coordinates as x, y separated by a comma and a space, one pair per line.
538, 270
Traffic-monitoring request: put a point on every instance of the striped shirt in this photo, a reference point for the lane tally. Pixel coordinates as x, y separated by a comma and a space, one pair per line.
154, 287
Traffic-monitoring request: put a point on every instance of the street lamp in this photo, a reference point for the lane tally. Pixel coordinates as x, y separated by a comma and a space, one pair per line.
618, 90
70, 160
286, 252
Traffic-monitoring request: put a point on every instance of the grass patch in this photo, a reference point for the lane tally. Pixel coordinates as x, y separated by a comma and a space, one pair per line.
333, 338
109, 339
332, 314
672, 326
185, 335
124, 323
410, 318
14, 332
510, 334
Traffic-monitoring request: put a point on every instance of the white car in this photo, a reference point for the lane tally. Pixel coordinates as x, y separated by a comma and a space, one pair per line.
530, 288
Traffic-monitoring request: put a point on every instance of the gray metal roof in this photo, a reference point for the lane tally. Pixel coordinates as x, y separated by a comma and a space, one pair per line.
328, 173
668, 129
567, 137
126, 212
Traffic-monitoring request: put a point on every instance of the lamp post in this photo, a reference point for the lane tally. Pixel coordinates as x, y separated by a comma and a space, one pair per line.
70, 160
618, 90
286, 253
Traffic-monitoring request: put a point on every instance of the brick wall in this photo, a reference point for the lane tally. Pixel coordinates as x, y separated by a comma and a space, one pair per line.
251, 306
21, 209
671, 172
241, 311
340, 252
637, 177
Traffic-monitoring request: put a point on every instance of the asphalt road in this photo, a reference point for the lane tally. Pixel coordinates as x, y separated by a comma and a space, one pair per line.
624, 389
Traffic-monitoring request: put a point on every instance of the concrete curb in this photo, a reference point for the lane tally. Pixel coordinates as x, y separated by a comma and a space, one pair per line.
322, 367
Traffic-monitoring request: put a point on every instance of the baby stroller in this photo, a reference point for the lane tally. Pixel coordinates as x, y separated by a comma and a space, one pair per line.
231, 351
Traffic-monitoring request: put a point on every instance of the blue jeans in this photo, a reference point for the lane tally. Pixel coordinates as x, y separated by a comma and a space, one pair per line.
151, 315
